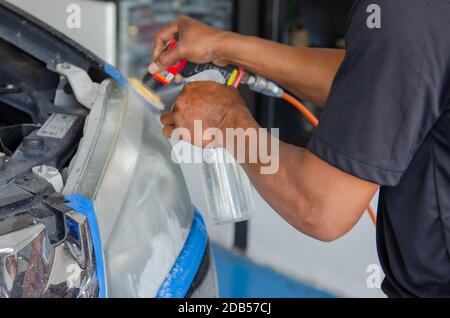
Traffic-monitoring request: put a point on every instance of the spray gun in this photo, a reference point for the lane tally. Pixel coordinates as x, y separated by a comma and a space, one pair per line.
232, 74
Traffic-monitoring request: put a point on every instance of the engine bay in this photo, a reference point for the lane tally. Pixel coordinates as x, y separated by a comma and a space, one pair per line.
41, 127
41, 124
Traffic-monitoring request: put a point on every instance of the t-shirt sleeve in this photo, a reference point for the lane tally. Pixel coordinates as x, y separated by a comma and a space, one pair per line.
387, 94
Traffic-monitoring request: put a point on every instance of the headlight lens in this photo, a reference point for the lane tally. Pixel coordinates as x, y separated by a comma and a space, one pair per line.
143, 208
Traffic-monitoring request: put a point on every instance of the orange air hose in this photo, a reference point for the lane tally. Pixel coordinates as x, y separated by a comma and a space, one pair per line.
305, 111
372, 214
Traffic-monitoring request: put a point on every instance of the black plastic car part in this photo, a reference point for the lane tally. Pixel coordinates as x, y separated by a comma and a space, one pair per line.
33, 130
29, 200
29, 89
36, 128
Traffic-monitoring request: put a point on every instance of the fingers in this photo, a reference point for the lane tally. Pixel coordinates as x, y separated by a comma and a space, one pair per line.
168, 130
171, 57
220, 63
170, 122
153, 68
178, 79
176, 117
168, 119
164, 35
181, 116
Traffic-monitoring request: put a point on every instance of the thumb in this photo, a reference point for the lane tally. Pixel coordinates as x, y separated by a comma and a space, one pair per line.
171, 57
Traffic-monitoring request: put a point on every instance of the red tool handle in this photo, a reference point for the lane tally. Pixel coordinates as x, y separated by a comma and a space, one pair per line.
166, 76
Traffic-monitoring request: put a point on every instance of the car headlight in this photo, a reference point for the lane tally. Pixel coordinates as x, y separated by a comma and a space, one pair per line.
143, 209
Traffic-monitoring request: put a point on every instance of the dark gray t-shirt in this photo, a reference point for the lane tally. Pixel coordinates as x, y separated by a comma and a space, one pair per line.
387, 120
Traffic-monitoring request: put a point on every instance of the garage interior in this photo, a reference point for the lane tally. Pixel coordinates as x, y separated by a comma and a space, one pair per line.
265, 256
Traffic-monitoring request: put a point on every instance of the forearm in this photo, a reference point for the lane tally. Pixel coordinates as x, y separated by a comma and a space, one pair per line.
315, 197
283, 184
306, 72
285, 193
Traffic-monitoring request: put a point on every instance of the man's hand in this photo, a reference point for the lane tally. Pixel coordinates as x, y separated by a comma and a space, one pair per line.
215, 105
197, 43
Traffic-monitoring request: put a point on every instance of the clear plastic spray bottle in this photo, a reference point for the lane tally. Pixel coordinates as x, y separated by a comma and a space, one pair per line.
228, 191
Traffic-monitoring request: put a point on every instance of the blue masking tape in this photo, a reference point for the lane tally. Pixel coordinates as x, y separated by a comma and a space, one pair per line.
85, 207
183, 272
115, 74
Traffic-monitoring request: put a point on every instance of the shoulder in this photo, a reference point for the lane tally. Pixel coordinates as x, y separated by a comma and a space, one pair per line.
402, 11
400, 21
401, 5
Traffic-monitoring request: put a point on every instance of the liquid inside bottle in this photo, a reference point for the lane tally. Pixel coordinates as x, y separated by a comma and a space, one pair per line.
229, 192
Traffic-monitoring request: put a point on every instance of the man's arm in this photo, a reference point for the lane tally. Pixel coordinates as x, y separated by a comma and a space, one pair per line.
316, 198
306, 72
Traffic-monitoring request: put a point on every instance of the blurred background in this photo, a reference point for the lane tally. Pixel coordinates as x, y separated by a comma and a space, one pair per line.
264, 257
